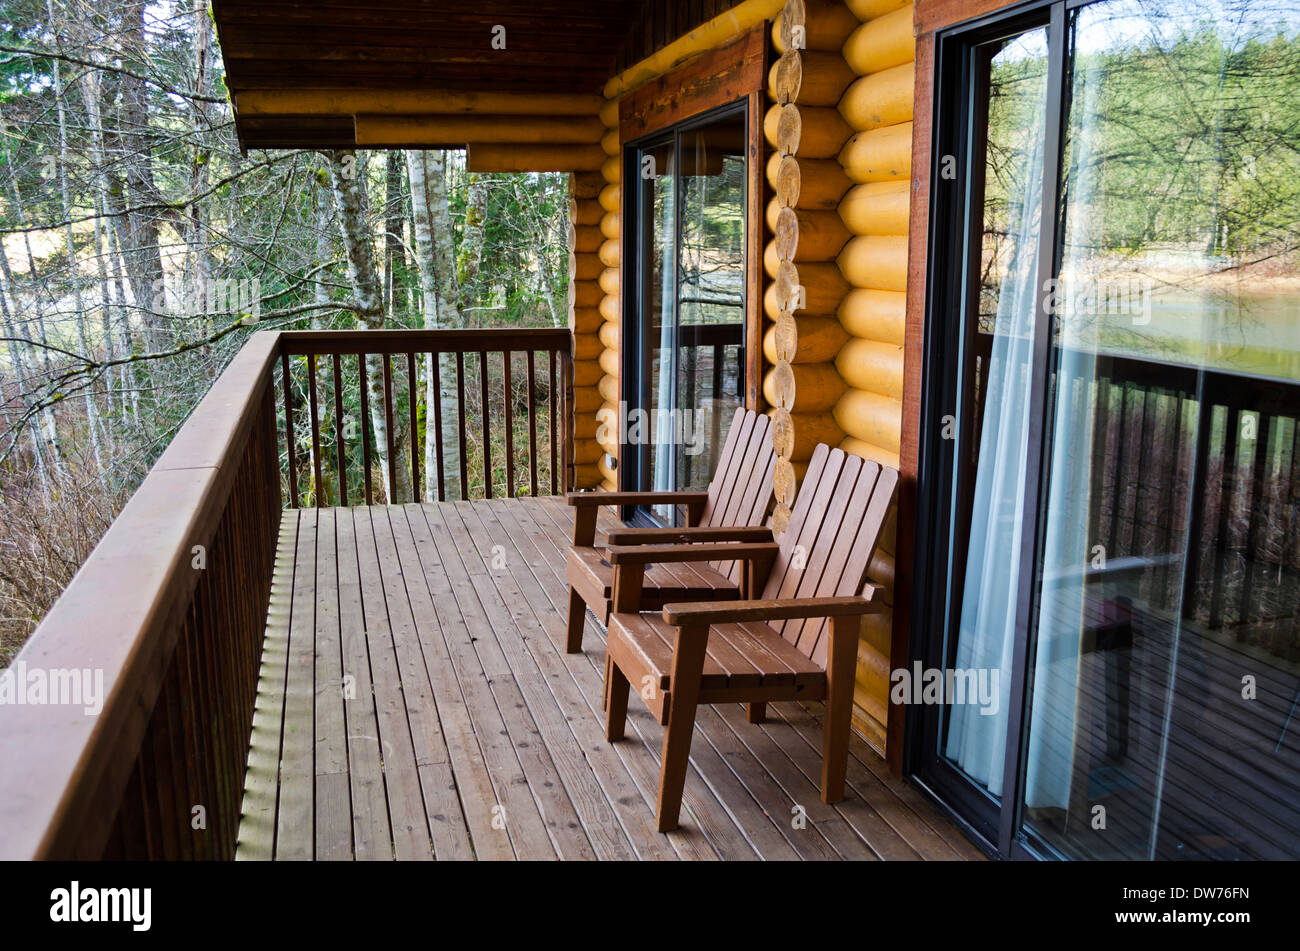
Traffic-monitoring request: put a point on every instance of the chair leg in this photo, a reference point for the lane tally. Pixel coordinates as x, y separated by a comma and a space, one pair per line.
577, 618
616, 692
674, 762
841, 658
684, 693
756, 712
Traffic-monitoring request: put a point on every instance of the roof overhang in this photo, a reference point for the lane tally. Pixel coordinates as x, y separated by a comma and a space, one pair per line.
333, 74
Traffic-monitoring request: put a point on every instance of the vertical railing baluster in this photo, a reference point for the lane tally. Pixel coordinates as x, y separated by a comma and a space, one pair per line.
553, 370
566, 420
487, 424
288, 431
1258, 485
532, 425
341, 452
435, 386
413, 402
1227, 489
364, 384
388, 420
719, 360
460, 423
315, 426
510, 429
1198, 493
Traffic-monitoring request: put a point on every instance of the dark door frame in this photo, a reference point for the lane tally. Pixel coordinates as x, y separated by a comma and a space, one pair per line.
636, 359
952, 257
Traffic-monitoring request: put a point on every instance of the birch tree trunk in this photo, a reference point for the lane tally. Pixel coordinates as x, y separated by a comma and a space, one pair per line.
439, 295
471, 244
49, 425
368, 303
70, 247
135, 156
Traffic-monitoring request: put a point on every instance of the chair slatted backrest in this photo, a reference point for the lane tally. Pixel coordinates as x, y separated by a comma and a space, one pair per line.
839, 514
741, 491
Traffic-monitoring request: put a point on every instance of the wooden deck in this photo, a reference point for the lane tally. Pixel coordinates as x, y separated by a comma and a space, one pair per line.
415, 702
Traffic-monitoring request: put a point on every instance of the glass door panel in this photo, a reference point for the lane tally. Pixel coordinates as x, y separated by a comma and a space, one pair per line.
688, 329
995, 395
711, 294
1164, 674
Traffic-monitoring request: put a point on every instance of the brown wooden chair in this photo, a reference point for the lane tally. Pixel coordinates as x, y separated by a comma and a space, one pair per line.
732, 509
779, 647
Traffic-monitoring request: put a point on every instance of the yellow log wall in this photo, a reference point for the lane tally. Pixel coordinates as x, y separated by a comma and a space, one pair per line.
609, 308
585, 293
876, 159
805, 133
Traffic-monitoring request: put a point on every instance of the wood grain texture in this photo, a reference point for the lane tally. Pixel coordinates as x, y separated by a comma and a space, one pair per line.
506, 719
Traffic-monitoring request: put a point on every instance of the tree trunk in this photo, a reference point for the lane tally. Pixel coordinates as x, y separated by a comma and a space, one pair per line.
394, 250
439, 310
368, 303
70, 247
144, 255
471, 244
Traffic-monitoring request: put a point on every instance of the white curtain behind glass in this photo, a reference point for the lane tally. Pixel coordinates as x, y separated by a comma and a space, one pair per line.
663, 455
976, 742
1066, 547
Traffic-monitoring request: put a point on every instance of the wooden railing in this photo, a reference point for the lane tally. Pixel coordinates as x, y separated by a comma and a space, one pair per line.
163, 625
544, 358
136, 743
1205, 462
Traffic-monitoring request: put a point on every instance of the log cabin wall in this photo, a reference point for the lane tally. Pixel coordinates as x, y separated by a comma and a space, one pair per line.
838, 129
654, 49
586, 279
876, 159
611, 301
842, 107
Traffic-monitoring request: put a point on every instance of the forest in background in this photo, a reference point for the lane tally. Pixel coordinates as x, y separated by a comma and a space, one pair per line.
141, 248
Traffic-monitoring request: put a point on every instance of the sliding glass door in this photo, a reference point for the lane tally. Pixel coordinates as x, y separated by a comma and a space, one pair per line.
685, 324
1111, 468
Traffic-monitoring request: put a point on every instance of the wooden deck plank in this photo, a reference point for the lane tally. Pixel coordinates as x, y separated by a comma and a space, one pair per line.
372, 838
410, 828
415, 701
466, 631
333, 796
262, 781
701, 803
511, 611
798, 789
585, 670
515, 806
434, 609
412, 648
540, 627
891, 827
295, 828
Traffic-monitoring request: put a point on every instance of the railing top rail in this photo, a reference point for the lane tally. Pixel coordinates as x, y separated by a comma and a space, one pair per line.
118, 616
403, 340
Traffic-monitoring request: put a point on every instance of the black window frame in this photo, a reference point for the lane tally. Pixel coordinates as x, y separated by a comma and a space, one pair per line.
955, 218
636, 358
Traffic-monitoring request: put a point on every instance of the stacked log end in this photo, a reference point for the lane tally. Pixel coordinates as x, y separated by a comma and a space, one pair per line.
585, 295
802, 337
877, 162
608, 306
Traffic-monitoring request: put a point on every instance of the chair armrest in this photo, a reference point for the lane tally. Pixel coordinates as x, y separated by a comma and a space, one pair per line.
681, 614
707, 551
667, 536
636, 498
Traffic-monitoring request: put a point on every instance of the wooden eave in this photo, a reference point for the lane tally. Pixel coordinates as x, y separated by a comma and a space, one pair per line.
300, 72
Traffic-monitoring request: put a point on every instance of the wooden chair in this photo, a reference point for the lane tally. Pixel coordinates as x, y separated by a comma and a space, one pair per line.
779, 647
732, 509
